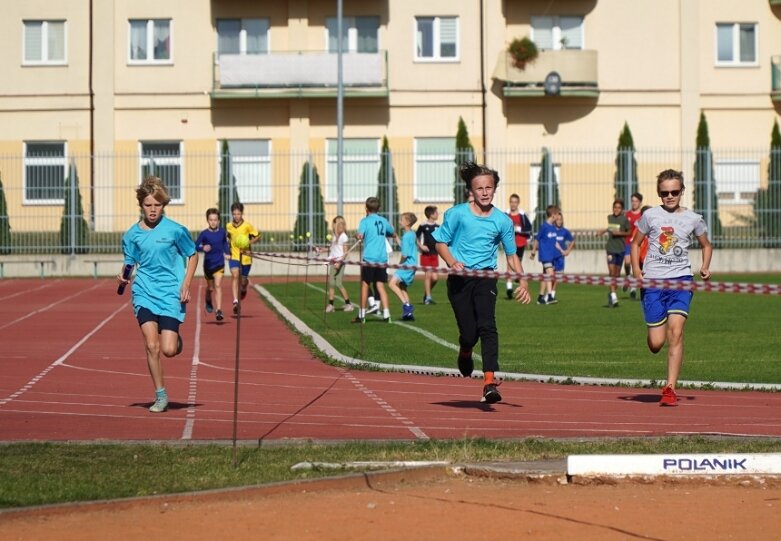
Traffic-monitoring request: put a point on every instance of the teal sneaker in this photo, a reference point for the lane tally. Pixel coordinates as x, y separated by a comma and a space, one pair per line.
160, 405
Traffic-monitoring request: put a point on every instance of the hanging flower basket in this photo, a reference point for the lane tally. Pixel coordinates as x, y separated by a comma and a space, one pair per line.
523, 51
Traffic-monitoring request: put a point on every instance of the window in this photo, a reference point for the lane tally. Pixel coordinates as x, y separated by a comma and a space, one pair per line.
436, 38
435, 169
361, 163
164, 160
554, 33
150, 41
242, 36
359, 34
736, 44
44, 172
250, 167
737, 181
44, 42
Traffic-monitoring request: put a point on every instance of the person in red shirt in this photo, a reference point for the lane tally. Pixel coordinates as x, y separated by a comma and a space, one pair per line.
633, 215
523, 232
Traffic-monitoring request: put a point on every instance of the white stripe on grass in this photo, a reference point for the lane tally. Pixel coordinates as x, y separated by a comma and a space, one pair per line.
542, 378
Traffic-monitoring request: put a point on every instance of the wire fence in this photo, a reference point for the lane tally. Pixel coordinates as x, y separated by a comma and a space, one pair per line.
54, 201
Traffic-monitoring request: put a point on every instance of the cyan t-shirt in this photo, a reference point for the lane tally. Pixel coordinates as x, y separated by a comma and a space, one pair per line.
375, 229
160, 256
474, 240
409, 256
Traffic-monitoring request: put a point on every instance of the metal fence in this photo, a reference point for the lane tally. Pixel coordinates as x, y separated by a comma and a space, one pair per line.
59, 202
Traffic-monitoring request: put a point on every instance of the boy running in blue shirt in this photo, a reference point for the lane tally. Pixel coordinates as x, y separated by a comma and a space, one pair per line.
213, 241
545, 243
372, 232
565, 242
469, 239
403, 278
159, 247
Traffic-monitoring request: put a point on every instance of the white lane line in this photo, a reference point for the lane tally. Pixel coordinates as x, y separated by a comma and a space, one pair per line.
43, 309
187, 433
433, 337
28, 291
27, 386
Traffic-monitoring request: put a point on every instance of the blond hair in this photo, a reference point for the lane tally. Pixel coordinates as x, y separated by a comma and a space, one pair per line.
153, 186
340, 225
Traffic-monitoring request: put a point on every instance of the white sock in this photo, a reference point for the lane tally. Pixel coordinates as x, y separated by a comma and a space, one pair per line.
361, 313
371, 301
386, 313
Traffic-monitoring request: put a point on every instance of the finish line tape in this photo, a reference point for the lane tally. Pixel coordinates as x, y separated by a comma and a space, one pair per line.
582, 279
707, 465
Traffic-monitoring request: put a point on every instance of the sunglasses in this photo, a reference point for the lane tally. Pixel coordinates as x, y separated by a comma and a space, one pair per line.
674, 193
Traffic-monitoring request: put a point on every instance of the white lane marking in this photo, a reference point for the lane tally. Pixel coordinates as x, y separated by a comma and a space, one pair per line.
187, 433
27, 386
43, 309
28, 291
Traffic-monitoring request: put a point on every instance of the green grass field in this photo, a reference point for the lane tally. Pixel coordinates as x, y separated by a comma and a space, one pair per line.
729, 337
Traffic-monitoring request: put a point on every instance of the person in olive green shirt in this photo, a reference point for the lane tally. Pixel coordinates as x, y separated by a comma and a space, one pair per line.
617, 230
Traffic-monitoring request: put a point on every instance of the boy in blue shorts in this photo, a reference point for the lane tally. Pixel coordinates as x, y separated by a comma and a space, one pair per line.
565, 242
372, 232
545, 243
403, 278
669, 229
157, 247
469, 239
213, 241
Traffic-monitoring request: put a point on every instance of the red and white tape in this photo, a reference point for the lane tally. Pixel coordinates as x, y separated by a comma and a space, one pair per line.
583, 279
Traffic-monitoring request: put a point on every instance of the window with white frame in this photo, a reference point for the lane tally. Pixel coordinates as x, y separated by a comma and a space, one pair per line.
250, 168
737, 181
44, 42
554, 33
44, 172
435, 169
436, 38
242, 36
360, 166
164, 160
736, 44
150, 41
359, 34
534, 182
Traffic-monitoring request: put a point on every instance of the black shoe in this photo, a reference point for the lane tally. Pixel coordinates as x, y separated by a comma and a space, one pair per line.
509, 293
219, 315
235, 309
209, 307
466, 364
358, 320
179, 344
386, 319
541, 299
243, 293
491, 394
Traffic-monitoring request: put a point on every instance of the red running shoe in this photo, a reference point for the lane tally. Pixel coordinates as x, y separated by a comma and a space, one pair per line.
669, 398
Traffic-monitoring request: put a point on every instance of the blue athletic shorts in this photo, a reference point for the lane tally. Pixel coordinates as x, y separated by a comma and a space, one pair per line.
164, 323
547, 265
236, 264
615, 259
558, 264
628, 249
658, 304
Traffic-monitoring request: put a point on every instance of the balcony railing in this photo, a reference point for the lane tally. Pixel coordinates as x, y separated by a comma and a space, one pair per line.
299, 74
576, 68
775, 78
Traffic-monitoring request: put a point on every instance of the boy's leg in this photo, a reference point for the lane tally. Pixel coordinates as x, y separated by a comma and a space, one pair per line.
209, 292
217, 286
383, 296
459, 292
485, 320
235, 277
675, 326
393, 284
152, 346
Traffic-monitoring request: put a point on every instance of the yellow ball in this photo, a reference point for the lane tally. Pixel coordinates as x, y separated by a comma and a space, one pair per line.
308, 234
242, 242
328, 236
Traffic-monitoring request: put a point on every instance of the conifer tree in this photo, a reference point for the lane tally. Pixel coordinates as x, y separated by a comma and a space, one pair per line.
547, 189
625, 179
705, 197
387, 189
465, 152
5, 224
74, 231
226, 196
767, 205
311, 226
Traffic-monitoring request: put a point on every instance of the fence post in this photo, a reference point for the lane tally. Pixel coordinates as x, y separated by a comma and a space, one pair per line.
709, 189
549, 179
627, 174
310, 200
72, 217
389, 184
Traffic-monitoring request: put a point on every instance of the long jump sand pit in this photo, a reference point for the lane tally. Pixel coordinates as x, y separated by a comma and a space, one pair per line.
425, 505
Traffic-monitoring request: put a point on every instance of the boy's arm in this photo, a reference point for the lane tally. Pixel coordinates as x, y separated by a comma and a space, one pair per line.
707, 254
522, 291
192, 264
634, 254
535, 245
444, 252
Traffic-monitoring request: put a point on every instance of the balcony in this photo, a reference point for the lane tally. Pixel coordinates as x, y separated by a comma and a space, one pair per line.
300, 74
775, 78
577, 69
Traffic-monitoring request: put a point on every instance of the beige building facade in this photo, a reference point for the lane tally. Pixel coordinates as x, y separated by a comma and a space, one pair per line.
116, 85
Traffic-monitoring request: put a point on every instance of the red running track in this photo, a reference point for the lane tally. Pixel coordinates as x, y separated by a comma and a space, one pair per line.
73, 368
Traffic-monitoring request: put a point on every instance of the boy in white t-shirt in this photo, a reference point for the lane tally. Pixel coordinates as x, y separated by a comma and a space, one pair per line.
336, 254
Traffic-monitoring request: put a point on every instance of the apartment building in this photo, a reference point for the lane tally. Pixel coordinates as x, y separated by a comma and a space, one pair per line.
116, 87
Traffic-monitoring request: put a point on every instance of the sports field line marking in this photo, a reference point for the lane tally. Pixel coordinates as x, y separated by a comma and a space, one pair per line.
433, 337
47, 307
28, 291
326, 347
187, 432
26, 387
